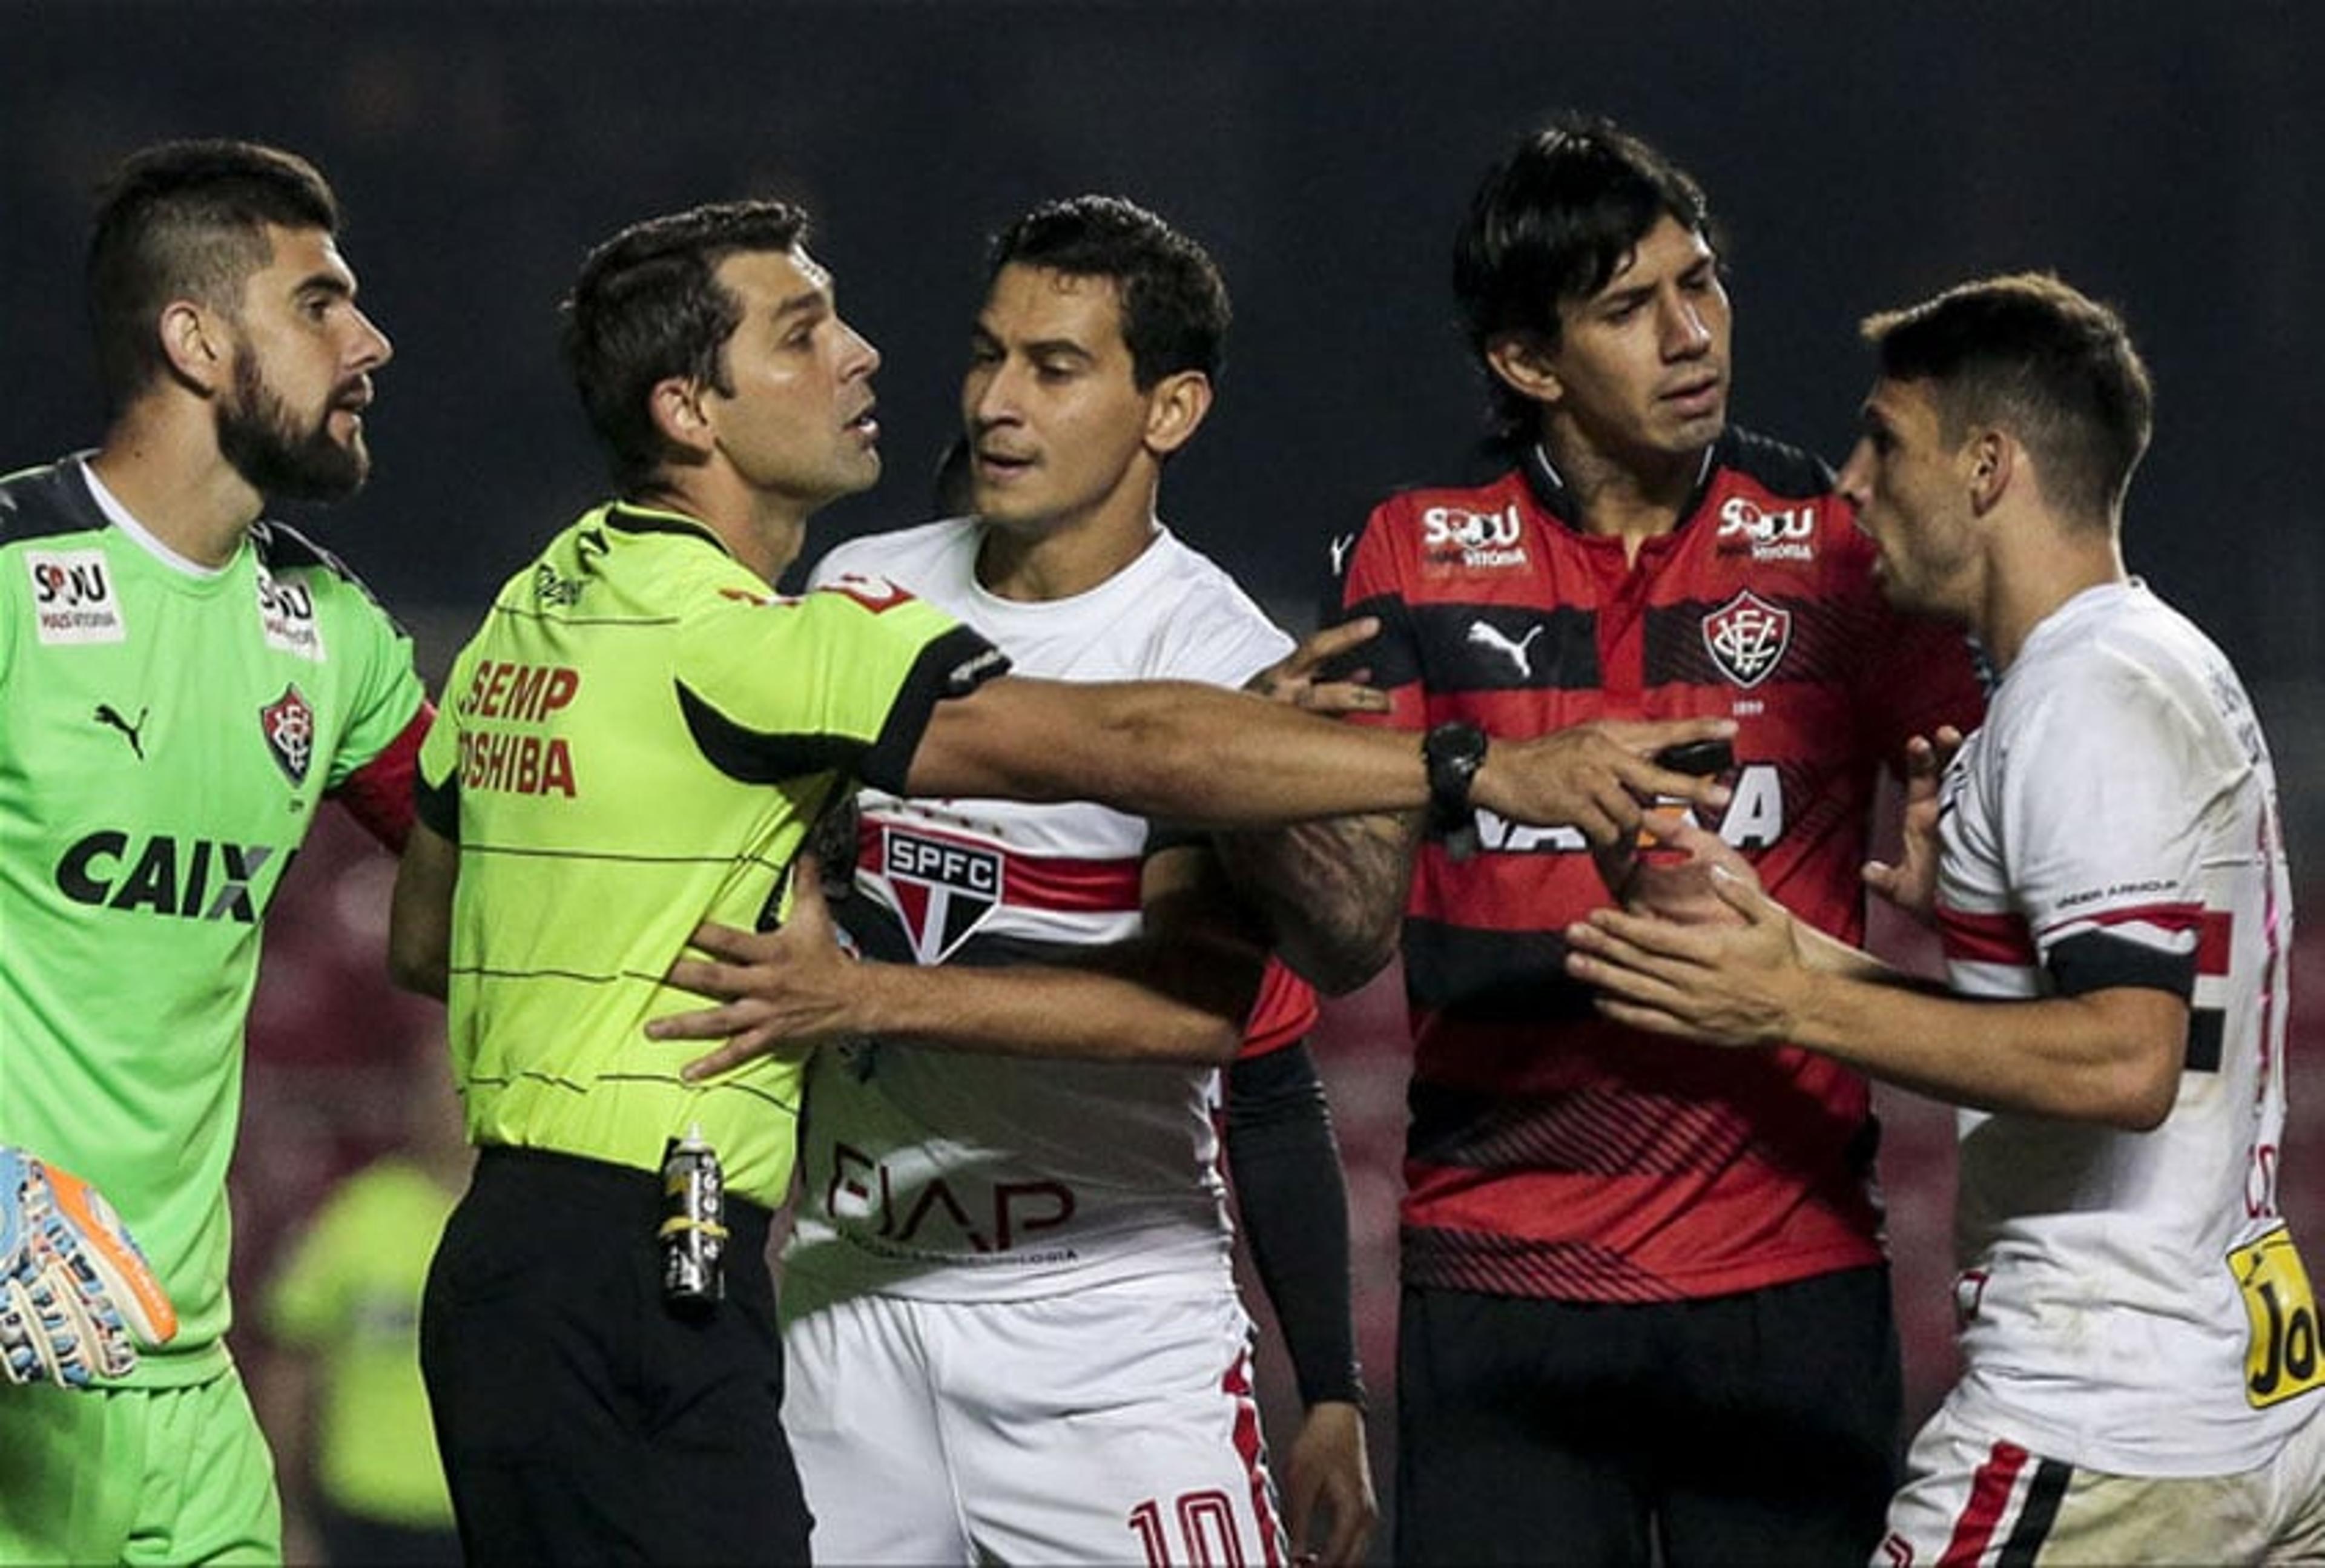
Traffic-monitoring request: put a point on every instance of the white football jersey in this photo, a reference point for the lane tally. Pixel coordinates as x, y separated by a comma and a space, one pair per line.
952, 1176
2130, 1302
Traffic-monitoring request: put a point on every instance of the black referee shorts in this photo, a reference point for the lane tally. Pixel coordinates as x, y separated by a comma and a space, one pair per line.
1755, 1428
580, 1420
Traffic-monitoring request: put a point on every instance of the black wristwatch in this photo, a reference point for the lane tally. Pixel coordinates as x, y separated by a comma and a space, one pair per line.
1454, 753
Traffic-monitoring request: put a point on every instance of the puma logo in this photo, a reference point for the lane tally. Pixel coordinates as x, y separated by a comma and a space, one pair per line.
1488, 636
105, 715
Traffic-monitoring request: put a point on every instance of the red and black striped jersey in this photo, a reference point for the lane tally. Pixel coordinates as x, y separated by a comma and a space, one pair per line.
1550, 1153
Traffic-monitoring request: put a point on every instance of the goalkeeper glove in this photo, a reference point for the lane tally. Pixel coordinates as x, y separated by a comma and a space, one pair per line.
76, 1294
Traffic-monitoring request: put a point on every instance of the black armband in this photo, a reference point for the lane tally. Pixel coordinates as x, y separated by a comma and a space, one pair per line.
2096, 960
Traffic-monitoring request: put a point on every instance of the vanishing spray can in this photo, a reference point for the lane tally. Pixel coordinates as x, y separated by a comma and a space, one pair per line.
693, 1222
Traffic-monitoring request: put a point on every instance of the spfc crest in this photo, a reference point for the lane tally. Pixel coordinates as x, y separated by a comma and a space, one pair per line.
289, 725
1746, 637
943, 888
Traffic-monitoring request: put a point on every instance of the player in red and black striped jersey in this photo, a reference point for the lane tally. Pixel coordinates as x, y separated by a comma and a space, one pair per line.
1614, 1168
1647, 1298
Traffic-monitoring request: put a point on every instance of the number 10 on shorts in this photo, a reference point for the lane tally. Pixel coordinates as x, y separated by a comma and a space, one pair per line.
1206, 1530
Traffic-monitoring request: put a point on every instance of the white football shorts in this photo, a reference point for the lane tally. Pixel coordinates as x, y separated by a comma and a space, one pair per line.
1111, 1424
1974, 1497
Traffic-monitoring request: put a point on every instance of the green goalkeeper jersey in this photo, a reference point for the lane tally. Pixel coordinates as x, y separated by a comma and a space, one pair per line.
638, 740
166, 736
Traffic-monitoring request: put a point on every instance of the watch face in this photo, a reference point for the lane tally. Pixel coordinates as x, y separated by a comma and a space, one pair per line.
1454, 744
1453, 753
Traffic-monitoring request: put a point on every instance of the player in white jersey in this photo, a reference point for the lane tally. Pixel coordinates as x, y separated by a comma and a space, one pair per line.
2116, 818
1009, 1271
958, 1177
1081, 1202
2140, 1365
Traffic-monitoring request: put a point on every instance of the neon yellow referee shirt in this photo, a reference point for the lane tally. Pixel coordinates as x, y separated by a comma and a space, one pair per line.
638, 740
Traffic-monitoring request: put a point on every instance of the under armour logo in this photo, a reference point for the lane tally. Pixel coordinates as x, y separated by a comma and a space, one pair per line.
106, 716
1491, 637
1339, 546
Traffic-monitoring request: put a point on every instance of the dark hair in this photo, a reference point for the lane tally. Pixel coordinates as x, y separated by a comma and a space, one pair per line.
2031, 355
187, 220
1174, 302
1550, 223
647, 305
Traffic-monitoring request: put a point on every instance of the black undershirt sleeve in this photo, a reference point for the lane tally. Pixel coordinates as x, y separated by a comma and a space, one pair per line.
1294, 1202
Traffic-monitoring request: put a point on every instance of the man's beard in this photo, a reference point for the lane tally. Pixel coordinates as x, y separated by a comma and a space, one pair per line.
258, 435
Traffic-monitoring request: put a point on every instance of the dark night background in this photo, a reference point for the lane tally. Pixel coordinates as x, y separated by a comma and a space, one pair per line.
2168, 157
2163, 156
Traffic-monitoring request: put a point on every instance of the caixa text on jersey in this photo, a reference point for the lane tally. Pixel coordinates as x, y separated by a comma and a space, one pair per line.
189, 879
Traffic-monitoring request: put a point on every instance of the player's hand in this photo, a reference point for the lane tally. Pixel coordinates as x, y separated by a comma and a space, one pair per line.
1297, 678
1737, 984
789, 989
1911, 884
1666, 871
76, 1298
1595, 777
1330, 1482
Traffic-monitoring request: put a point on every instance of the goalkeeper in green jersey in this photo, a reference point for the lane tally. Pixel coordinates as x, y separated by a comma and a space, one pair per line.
183, 684
638, 740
